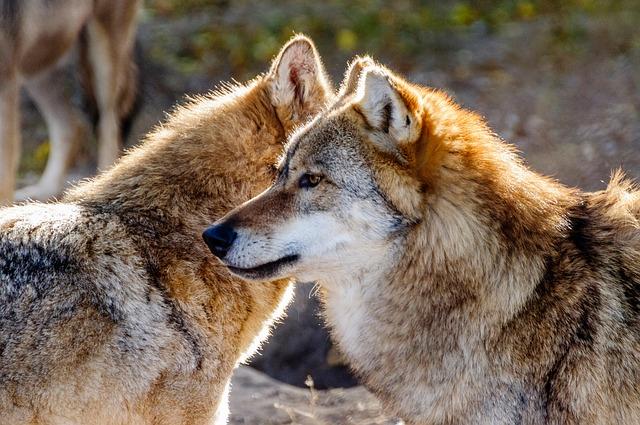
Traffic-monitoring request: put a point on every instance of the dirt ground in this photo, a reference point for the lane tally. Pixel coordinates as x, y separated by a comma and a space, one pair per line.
258, 399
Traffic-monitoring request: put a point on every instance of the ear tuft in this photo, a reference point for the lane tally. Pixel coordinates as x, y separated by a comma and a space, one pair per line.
389, 105
298, 80
353, 73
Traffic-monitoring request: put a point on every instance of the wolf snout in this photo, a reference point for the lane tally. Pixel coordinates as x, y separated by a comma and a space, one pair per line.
219, 239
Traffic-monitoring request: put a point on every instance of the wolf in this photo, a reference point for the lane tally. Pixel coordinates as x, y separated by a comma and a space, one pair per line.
35, 38
112, 310
463, 287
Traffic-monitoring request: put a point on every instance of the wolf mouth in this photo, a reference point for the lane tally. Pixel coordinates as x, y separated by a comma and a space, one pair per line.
266, 270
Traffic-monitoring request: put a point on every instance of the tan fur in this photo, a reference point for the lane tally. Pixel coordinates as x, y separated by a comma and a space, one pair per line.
112, 311
463, 287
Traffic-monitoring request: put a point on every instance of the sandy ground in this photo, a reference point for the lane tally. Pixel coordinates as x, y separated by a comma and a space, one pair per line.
258, 399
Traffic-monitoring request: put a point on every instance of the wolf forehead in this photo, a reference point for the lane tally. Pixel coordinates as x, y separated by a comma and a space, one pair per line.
330, 141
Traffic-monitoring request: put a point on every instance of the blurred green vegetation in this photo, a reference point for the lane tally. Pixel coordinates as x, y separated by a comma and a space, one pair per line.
190, 45
245, 34
34, 159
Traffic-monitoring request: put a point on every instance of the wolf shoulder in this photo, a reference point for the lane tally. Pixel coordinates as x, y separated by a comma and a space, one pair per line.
70, 280
61, 244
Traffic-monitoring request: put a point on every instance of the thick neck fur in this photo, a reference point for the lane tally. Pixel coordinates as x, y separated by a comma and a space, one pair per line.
209, 156
487, 230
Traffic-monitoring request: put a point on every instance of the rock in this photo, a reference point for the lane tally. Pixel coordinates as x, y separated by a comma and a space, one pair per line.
259, 399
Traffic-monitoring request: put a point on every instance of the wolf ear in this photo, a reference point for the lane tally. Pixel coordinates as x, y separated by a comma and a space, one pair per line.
298, 83
352, 75
390, 106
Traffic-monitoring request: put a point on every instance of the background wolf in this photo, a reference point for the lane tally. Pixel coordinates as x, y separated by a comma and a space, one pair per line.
112, 311
35, 37
462, 286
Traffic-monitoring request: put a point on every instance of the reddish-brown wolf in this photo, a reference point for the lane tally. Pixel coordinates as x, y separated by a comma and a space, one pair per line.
463, 287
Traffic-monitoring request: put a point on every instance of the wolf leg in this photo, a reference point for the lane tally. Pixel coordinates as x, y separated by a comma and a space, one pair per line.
110, 52
9, 137
66, 131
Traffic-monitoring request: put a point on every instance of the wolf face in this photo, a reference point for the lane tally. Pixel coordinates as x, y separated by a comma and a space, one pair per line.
329, 210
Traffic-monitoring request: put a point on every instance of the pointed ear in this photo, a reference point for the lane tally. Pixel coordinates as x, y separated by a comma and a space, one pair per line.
352, 75
299, 86
390, 105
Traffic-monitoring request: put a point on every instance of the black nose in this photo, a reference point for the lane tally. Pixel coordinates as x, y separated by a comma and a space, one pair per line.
219, 239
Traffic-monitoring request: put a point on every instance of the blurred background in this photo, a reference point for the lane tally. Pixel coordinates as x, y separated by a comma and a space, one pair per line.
559, 79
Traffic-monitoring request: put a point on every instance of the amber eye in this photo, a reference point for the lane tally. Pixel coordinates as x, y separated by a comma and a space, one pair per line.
309, 180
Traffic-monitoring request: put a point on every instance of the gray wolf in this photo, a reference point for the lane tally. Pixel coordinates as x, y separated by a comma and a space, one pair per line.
463, 287
35, 37
112, 310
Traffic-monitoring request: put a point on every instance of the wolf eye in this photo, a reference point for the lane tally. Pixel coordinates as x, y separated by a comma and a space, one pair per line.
309, 180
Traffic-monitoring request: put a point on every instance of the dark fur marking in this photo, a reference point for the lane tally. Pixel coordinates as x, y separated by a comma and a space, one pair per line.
589, 322
110, 307
520, 408
36, 281
401, 222
581, 234
548, 391
631, 300
386, 117
545, 285
284, 172
367, 124
28, 264
10, 12
583, 324
543, 290
177, 318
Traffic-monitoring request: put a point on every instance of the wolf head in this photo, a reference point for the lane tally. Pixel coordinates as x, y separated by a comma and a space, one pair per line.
386, 158
223, 145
